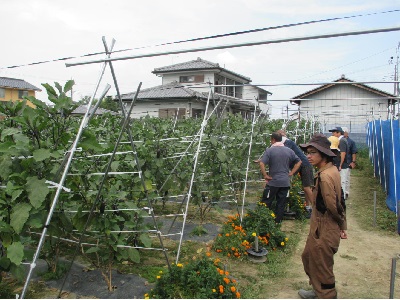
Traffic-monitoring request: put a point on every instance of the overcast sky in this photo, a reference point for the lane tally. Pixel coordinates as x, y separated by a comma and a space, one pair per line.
39, 30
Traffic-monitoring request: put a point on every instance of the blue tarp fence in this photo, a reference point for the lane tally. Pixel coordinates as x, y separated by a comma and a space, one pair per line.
383, 140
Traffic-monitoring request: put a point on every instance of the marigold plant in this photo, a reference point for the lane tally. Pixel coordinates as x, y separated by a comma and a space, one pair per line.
234, 239
296, 203
203, 278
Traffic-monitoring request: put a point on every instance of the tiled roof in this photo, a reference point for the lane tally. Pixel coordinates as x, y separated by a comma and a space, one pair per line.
173, 90
17, 84
198, 64
235, 101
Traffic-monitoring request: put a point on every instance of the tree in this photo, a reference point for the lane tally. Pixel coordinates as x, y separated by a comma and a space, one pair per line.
107, 103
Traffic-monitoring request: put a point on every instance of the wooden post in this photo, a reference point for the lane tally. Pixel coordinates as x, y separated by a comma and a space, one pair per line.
374, 209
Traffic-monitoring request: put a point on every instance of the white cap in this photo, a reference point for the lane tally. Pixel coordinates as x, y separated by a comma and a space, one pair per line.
345, 129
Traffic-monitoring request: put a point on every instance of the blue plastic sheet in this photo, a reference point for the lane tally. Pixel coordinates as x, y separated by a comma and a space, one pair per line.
383, 140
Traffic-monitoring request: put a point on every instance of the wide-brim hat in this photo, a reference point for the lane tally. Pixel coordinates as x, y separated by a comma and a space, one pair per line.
334, 142
321, 143
337, 128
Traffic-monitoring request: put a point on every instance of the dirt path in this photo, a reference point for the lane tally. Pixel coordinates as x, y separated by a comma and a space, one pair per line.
362, 264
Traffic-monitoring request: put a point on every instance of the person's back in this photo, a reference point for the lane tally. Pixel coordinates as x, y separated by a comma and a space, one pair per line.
343, 147
351, 149
279, 160
277, 182
292, 145
306, 170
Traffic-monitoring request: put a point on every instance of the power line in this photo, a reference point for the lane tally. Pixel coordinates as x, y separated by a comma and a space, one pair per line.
247, 44
206, 38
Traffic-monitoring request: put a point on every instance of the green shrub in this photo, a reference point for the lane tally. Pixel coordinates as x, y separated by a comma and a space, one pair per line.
203, 278
235, 239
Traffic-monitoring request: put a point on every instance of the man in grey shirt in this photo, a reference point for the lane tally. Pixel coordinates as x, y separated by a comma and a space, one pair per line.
279, 159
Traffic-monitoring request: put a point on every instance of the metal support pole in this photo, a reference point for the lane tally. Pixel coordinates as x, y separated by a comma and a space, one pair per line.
286, 40
127, 116
70, 155
393, 277
203, 125
383, 158
248, 162
97, 199
374, 223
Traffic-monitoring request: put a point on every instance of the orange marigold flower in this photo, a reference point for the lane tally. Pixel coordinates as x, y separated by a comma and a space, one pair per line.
229, 255
233, 248
221, 289
237, 295
226, 273
221, 272
208, 254
227, 234
233, 289
226, 280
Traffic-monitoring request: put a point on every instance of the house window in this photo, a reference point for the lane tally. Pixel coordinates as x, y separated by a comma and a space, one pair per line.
172, 113
22, 94
2, 93
197, 113
191, 78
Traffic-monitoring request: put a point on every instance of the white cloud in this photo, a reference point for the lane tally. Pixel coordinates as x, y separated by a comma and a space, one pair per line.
226, 58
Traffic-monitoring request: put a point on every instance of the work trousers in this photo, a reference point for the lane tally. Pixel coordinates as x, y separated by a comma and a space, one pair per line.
345, 181
322, 243
279, 194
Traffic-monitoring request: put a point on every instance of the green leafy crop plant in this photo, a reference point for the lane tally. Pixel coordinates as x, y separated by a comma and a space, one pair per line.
34, 142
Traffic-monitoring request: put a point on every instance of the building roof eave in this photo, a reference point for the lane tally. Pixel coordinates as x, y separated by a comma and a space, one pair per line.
297, 99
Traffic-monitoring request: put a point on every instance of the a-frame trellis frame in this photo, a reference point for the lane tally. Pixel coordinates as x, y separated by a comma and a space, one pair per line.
186, 200
68, 160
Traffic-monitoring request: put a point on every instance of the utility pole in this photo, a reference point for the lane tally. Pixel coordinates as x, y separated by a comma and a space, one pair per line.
396, 72
396, 83
396, 89
287, 112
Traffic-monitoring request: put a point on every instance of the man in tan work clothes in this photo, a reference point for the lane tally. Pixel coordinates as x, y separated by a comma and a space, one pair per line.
327, 223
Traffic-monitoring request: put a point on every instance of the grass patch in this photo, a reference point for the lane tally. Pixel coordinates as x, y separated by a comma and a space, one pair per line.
349, 257
62, 268
255, 280
199, 231
362, 198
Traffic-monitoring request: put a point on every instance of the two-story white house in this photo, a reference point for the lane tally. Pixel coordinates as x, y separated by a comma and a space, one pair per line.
185, 88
